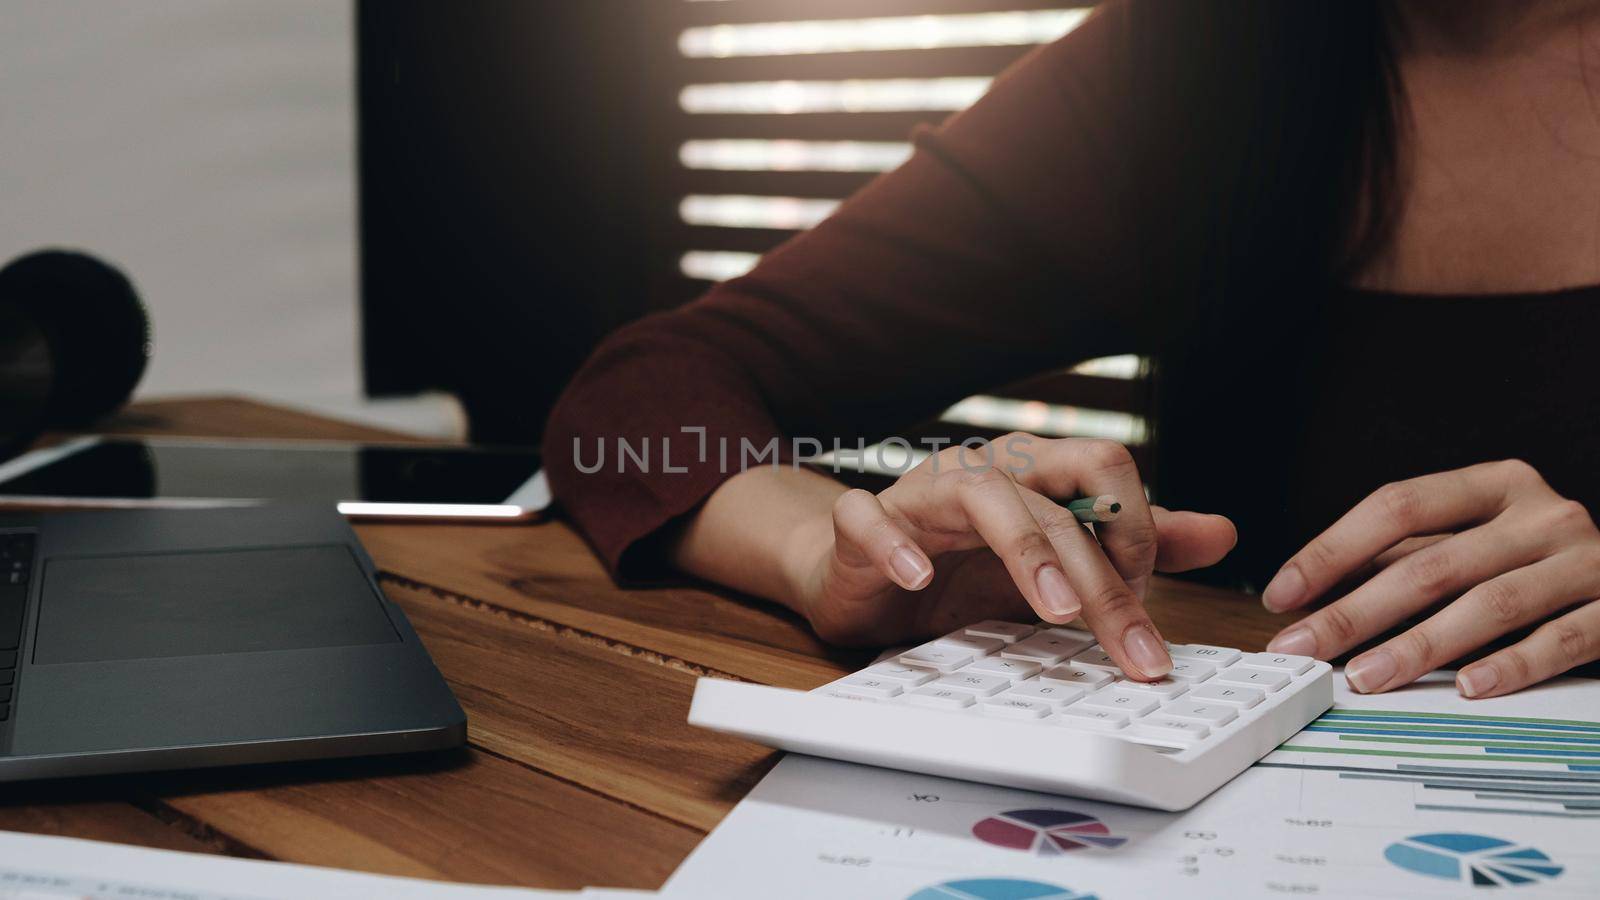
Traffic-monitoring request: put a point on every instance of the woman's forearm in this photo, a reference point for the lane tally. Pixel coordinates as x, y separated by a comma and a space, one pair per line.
761, 532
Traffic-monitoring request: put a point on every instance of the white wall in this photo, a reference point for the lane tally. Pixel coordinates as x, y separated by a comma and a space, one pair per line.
206, 146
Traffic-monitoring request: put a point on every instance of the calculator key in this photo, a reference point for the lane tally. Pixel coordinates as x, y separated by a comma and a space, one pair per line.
1043, 648
1014, 669
1051, 692
1282, 662
906, 675
1097, 657
1235, 694
1209, 712
1220, 656
1166, 728
867, 686
1191, 669
939, 698
829, 690
1134, 704
1090, 679
977, 646
1083, 638
1009, 707
1266, 679
1094, 719
1010, 632
973, 682
1165, 688
937, 657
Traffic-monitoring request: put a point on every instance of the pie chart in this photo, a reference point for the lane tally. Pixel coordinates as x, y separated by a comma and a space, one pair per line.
1047, 832
1472, 859
998, 889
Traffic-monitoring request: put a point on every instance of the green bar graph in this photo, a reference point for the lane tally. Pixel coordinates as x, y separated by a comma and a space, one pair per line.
1491, 745
1407, 714
1475, 757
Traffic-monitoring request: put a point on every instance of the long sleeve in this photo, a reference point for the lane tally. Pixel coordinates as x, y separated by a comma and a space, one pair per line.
996, 251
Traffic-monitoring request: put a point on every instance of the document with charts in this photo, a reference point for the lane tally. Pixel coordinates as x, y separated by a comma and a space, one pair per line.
34, 867
1414, 794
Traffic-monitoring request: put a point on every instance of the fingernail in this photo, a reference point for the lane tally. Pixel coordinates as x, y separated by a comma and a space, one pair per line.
1054, 592
1286, 589
912, 570
1478, 680
1371, 671
1146, 651
1295, 641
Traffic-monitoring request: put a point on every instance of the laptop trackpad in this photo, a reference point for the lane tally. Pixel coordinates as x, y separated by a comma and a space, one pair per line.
145, 606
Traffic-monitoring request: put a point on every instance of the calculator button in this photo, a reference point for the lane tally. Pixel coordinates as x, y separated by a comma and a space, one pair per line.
1014, 669
1220, 656
1010, 632
1266, 679
1281, 662
1238, 695
830, 691
973, 682
1044, 648
907, 676
1051, 692
1009, 707
866, 686
1086, 678
1165, 688
1094, 719
939, 698
1097, 657
937, 657
1083, 638
1191, 669
977, 646
1165, 728
1209, 712
1134, 704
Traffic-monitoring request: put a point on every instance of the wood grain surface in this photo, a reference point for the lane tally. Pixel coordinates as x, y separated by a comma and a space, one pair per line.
580, 768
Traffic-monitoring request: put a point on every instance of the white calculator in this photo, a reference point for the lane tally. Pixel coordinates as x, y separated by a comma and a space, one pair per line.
1042, 708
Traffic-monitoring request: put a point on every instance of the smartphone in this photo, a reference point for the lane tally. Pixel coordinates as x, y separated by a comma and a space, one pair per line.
383, 481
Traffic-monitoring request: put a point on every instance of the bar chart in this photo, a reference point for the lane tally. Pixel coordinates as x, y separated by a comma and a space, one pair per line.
1509, 765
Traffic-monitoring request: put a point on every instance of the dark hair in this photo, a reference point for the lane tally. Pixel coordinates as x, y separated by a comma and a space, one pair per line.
1270, 129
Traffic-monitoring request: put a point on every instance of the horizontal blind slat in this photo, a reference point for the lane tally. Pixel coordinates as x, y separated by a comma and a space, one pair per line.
714, 12
886, 126
947, 61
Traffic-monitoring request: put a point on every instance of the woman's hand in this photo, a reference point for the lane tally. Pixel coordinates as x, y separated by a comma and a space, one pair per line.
1494, 539
974, 533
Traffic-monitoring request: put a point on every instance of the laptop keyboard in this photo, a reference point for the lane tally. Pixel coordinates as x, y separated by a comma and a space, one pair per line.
16, 567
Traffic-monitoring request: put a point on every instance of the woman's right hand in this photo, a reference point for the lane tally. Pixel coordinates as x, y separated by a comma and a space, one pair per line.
973, 533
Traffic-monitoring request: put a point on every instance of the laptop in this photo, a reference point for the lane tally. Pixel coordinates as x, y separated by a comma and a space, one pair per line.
137, 640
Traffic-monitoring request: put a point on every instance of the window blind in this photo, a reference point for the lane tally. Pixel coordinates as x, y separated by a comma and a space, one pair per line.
786, 107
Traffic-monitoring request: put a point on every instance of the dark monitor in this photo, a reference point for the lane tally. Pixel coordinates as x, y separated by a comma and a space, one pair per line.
509, 179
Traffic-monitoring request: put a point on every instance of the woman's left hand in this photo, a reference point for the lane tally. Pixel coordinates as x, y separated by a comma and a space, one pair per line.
1493, 539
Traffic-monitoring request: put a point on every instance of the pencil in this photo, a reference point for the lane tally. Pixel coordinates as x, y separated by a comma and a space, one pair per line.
1103, 508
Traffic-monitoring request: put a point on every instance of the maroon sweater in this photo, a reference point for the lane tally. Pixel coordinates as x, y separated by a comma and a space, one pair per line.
997, 251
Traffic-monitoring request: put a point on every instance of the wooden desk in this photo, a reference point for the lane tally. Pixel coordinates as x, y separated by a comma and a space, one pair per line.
580, 769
